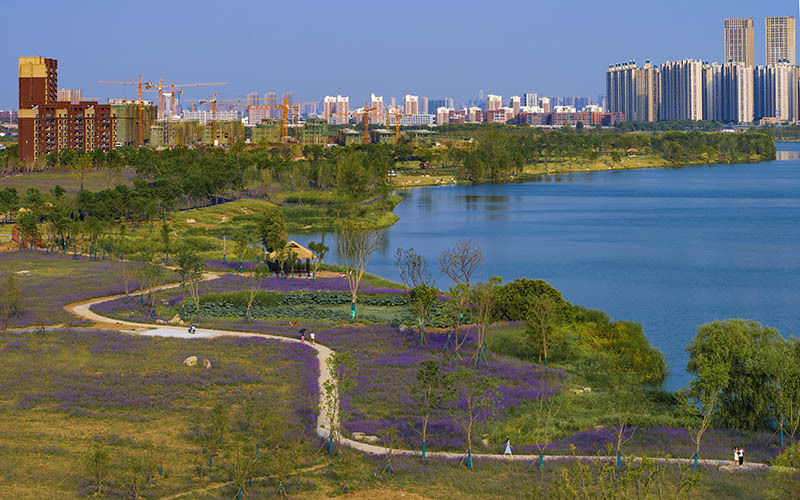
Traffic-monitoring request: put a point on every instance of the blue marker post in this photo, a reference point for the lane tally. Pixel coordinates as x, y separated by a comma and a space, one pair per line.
619, 459
423, 450
541, 461
694, 467
352, 312
469, 459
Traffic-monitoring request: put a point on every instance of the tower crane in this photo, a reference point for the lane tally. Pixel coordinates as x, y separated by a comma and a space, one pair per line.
397, 115
365, 112
172, 86
141, 86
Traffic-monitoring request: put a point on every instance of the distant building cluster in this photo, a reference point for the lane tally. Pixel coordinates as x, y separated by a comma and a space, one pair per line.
735, 91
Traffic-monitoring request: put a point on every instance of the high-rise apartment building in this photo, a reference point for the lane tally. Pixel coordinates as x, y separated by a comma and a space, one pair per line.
530, 99
411, 105
336, 110
47, 125
514, 102
544, 103
775, 92
444, 102
681, 90
376, 116
739, 41
737, 93
493, 102
780, 35
423, 105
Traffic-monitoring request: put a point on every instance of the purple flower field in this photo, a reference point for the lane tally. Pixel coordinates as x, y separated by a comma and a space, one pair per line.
92, 372
53, 281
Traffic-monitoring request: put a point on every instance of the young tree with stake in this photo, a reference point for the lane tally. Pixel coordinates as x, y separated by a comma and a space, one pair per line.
477, 395
356, 242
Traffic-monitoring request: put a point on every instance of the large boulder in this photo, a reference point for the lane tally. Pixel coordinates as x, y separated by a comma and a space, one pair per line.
176, 320
206, 364
190, 361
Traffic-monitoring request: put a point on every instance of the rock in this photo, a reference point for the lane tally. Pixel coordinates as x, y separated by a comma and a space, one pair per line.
190, 361
587, 389
160, 322
485, 442
176, 320
576, 391
358, 436
24, 272
370, 439
402, 328
206, 364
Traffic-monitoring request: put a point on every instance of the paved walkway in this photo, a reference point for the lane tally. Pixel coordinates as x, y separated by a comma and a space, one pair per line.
83, 309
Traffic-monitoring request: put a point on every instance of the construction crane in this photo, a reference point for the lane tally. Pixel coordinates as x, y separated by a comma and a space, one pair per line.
213, 102
172, 86
286, 110
365, 112
140, 88
397, 115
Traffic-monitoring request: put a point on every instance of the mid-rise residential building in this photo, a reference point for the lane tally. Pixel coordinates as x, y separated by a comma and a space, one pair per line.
418, 119
780, 40
474, 114
493, 102
739, 41
203, 116
126, 118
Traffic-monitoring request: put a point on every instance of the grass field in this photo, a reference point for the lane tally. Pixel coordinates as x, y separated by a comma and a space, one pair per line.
45, 181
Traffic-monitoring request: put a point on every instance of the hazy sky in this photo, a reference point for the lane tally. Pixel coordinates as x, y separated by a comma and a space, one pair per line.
353, 47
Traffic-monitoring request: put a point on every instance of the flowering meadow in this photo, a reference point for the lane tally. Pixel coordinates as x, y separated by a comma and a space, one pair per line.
64, 391
48, 282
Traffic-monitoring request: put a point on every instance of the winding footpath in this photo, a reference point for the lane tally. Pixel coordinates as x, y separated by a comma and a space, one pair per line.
323, 353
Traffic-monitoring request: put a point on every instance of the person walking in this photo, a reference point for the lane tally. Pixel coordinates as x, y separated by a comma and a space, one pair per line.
741, 456
302, 337
313, 336
736, 456
508, 447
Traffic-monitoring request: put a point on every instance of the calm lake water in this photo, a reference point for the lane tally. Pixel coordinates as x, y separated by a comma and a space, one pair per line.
671, 249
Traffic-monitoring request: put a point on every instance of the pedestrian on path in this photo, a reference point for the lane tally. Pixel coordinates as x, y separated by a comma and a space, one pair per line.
508, 447
736, 456
302, 337
741, 456
313, 336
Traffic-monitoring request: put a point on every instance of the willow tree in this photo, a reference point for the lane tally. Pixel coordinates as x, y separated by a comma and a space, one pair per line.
356, 242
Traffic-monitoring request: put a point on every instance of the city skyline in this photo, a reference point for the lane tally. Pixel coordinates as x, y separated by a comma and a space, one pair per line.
315, 57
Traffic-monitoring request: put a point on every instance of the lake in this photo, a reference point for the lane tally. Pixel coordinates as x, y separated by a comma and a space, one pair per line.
671, 249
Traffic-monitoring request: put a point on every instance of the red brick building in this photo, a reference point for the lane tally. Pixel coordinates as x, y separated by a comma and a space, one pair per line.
47, 125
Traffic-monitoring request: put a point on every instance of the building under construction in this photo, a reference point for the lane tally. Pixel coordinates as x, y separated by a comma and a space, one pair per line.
315, 131
266, 132
126, 112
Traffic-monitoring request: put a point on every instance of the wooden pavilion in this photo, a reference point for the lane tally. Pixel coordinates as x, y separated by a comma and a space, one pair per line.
302, 253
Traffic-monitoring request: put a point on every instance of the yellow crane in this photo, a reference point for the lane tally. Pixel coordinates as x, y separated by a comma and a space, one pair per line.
365, 112
397, 115
140, 87
172, 86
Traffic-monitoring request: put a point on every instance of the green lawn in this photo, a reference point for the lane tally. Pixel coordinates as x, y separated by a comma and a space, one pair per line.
45, 181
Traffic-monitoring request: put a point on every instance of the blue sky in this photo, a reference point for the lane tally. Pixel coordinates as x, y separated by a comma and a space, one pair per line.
434, 48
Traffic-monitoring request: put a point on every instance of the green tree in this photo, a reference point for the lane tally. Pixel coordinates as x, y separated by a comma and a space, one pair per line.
272, 228
481, 302
342, 373
190, 270
422, 299
319, 250
541, 319
10, 300
430, 394
165, 241
356, 242
477, 396
98, 464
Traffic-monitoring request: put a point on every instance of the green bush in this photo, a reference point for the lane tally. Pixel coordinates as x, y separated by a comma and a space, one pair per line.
512, 299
